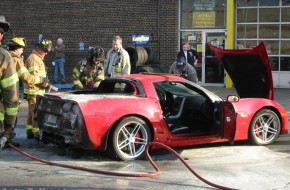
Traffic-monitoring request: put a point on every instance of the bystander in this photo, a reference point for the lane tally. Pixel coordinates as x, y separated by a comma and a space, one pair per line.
59, 61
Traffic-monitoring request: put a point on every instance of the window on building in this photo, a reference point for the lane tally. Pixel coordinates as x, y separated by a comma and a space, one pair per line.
268, 2
203, 14
268, 30
248, 15
269, 15
285, 30
247, 3
285, 14
265, 21
247, 31
285, 2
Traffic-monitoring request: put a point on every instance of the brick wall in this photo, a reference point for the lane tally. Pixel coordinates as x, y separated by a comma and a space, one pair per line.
94, 22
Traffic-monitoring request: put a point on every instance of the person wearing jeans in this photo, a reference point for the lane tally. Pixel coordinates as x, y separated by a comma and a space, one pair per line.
59, 61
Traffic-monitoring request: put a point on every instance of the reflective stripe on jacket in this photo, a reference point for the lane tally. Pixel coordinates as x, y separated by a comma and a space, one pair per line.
9, 89
87, 73
22, 71
9, 81
120, 65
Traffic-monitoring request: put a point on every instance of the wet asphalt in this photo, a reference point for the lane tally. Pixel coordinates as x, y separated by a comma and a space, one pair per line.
241, 166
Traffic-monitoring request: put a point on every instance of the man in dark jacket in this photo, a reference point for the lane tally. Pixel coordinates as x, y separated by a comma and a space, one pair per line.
193, 53
187, 55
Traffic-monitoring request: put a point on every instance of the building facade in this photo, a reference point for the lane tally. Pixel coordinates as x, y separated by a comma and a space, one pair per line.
237, 24
267, 21
94, 23
225, 23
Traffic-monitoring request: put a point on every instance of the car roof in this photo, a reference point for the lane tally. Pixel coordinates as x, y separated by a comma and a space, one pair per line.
154, 77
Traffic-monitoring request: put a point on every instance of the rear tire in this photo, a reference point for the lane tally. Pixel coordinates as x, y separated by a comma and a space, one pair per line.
265, 127
129, 139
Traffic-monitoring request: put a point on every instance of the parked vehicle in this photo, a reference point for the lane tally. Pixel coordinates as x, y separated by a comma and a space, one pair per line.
123, 114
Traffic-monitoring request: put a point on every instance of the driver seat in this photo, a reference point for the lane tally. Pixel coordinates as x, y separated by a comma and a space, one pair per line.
174, 116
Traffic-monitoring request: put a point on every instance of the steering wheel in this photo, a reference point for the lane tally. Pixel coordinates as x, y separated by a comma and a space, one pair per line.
162, 96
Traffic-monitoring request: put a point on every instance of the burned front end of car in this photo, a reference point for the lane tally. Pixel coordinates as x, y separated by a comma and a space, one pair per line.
60, 121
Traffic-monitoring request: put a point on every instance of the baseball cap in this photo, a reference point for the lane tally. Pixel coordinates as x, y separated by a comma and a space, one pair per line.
180, 62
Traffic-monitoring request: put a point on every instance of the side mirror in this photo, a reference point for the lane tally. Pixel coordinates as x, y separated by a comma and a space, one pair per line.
233, 98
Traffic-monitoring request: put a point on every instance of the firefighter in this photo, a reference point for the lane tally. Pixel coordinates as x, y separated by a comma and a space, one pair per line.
36, 67
89, 72
16, 47
118, 59
9, 90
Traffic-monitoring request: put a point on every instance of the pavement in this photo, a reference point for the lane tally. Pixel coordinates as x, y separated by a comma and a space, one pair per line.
242, 166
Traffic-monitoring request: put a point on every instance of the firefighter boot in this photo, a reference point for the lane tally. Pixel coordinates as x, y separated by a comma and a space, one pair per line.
10, 135
29, 134
10, 141
3, 141
35, 131
4, 136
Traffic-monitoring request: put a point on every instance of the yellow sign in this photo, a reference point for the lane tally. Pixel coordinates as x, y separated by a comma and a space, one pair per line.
203, 19
199, 47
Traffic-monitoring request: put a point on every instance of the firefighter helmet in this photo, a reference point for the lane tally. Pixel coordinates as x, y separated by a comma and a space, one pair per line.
17, 42
4, 26
97, 52
45, 44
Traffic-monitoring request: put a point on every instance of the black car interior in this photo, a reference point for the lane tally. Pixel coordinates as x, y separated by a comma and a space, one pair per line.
109, 87
186, 112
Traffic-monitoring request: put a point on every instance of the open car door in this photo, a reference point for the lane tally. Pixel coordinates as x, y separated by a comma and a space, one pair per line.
229, 122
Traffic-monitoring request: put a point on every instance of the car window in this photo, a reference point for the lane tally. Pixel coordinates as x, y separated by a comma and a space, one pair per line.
116, 87
177, 88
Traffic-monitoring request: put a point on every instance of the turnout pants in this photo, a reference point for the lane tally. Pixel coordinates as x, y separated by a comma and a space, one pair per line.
31, 126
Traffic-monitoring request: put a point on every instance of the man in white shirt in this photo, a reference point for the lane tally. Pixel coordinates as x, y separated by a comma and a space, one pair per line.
186, 54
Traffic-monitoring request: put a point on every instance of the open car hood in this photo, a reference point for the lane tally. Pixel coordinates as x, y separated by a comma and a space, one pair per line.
249, 69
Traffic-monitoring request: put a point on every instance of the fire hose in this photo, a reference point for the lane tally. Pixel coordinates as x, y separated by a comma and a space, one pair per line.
153, 174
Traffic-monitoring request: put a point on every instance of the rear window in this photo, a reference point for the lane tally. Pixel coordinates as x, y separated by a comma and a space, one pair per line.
110, 87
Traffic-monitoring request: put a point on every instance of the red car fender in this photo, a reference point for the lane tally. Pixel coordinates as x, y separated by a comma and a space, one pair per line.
246, 110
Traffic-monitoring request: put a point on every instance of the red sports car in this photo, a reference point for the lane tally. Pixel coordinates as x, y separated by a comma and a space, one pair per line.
123, 114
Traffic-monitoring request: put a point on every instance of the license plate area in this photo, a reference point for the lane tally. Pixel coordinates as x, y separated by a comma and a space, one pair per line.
51, 119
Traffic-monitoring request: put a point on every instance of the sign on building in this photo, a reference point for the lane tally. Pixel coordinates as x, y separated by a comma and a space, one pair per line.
140, 39
203, 19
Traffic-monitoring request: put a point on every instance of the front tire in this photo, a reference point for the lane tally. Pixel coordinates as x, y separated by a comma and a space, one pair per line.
265, 127
129, 139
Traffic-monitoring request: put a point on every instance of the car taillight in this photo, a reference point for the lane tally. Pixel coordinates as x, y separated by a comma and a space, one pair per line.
75, 109
67, 107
